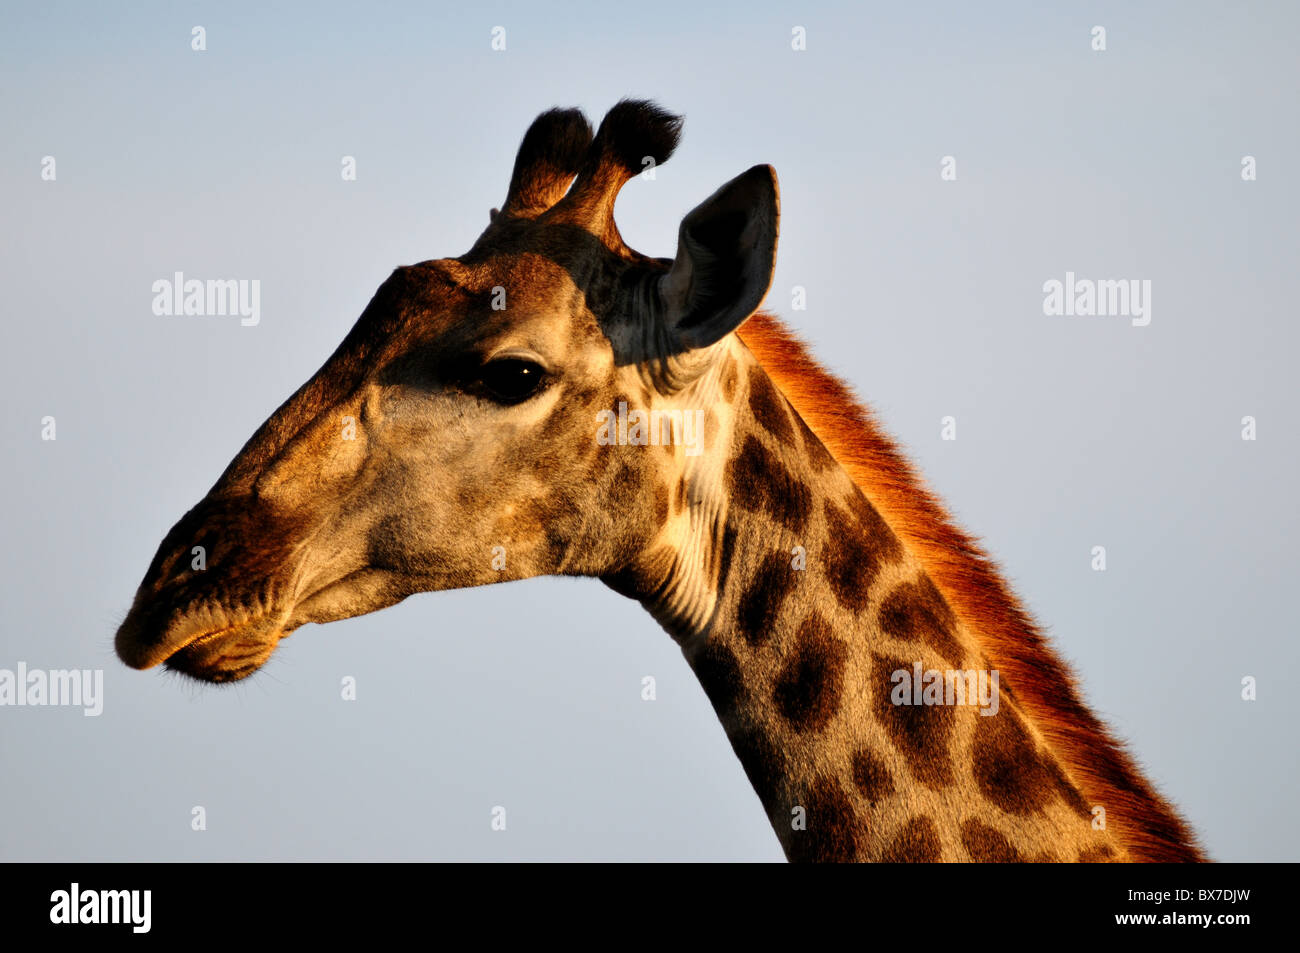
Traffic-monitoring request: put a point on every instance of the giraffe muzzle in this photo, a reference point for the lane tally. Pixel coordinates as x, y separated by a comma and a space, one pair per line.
200, 647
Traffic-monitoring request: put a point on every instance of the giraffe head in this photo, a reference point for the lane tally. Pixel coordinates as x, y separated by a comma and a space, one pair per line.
454, 438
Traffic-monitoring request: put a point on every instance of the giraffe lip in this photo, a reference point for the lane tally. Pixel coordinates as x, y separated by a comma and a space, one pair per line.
229, 653
196, 647
208, 637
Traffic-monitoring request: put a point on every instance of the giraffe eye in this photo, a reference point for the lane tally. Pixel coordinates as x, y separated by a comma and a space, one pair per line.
512, 380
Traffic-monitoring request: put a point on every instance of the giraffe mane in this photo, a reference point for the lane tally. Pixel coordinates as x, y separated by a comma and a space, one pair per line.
1147, 825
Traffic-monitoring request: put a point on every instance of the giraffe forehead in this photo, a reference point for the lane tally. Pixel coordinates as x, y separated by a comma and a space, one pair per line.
524, 300
529, 252
529, 274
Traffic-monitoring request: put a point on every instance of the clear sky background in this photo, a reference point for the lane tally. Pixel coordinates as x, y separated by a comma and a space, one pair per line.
926, 295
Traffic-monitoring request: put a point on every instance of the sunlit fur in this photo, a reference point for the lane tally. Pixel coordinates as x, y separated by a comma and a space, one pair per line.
973, 586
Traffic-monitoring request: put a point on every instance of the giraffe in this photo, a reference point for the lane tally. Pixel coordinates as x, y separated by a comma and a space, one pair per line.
486, 420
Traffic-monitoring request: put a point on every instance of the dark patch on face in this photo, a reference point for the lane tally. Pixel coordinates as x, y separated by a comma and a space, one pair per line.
1071, 795
987, 846
553, 550
681, 496
915, 611
764, 765
871, 776
623, 488
858, 544
760, 483
808, 689
570, 436
633, 512
660, 504
921, 733
833, 830
719, 673
1096, 855
760, 606
1006, 765
555, 520
628, 517
917, 843
768, 407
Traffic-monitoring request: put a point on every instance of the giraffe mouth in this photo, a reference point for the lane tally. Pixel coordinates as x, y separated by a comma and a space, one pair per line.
229, 653
204, 648
212, 643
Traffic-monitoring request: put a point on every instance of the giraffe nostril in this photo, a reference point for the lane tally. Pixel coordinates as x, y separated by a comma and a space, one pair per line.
138, 637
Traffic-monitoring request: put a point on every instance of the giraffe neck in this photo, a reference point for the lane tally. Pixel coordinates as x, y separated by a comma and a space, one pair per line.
809, 625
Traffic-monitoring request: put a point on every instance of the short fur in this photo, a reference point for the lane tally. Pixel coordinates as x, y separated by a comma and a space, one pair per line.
1139, 817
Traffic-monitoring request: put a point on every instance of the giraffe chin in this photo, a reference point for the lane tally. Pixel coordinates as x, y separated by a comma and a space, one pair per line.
227, 655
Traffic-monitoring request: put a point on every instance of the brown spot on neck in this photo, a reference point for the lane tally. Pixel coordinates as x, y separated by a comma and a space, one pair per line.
915, 611
921, 733
808, 688
1152, 829
719, 674
986, 845
1006, 765
764, 764
917, 843
761, 484
760, 605
1097, 855
833, 833
769, 407
857, 545
871, 776
813, 448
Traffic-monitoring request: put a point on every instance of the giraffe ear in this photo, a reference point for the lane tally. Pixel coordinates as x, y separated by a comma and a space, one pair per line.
726, 249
